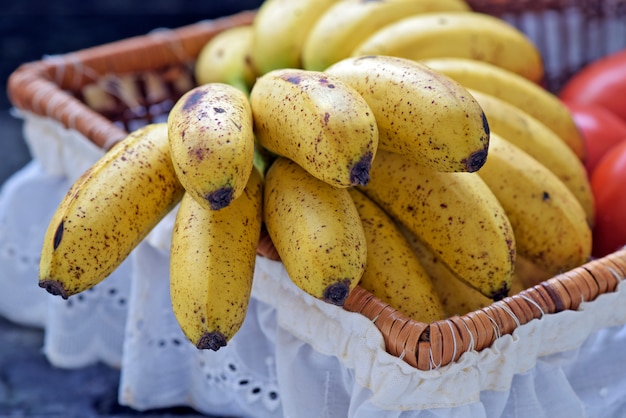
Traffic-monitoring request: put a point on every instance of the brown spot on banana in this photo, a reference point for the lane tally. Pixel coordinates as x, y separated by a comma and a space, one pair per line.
193, 99
293, 79
58, 236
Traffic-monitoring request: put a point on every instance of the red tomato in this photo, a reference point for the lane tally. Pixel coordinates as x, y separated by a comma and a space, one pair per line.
608, 184
602, 82
601, 130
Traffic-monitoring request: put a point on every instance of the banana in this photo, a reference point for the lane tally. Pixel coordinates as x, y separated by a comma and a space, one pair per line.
318, 121
316, 231
455, 214
420, 113
533, 137
108, 211
457, 34
345, 24
225, 58
549, 224
280, 29
211, 138
392, 271
455, 295
457, 298
212, 259
516, 90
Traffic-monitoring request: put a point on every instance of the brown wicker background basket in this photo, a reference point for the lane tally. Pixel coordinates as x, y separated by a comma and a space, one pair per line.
158, 68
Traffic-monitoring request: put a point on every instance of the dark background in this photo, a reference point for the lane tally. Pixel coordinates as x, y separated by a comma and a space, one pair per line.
31, 29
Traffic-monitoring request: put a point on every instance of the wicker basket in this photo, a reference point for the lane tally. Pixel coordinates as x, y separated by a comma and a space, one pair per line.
55, 88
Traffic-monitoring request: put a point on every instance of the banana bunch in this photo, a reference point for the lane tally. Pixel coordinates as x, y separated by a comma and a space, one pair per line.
403, 146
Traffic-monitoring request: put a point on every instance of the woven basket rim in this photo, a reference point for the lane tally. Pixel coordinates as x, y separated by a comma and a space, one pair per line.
42, 87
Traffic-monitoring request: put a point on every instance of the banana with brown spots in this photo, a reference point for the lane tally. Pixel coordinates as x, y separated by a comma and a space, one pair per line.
212, 261
473, 35
420, 113
316, 230
108, 211
540, 142
318, 121
393, 273
345, 24
516, 90
549, 224
454, 214
211, 141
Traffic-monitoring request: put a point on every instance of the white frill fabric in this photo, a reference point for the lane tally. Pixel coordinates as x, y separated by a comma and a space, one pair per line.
294, 356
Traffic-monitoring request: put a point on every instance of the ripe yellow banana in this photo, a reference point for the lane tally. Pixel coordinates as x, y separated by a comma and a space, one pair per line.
455, 214
392, 272
345, 24
212, 261
108, 211
549, 224
420, 113
516, 90
318, 121
211, 139
456, 296
457, 34
225, 58
280, 28
316, 231
536, 139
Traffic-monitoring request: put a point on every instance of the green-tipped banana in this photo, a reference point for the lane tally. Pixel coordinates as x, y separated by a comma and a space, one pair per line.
212, 261
108, 211
211, 139
280, 28
393, 273
347, 23
318, 121
225, 58
454, 214
549, 224
420, 113
316, 230
458, 34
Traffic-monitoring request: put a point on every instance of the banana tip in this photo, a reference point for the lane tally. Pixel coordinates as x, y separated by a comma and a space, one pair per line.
476, 160
54, 287
212, 341
220, 198
501, 293
337, 293
359, 174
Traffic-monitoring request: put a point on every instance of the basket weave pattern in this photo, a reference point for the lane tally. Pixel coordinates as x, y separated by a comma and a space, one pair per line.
56, 88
